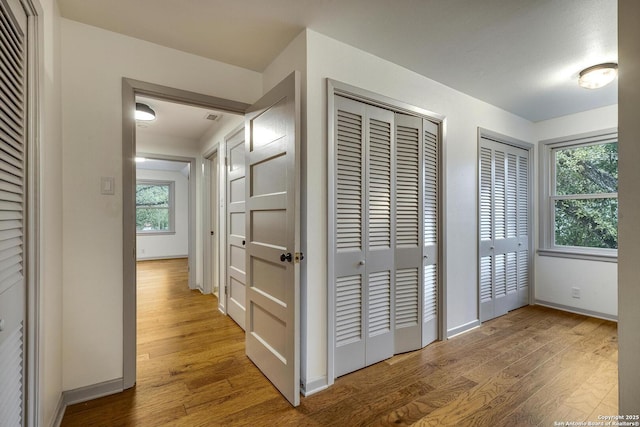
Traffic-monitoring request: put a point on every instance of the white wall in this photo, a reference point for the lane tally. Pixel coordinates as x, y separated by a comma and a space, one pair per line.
629, 214
93, 64
174, 245
464, 114
554, 277
51, 283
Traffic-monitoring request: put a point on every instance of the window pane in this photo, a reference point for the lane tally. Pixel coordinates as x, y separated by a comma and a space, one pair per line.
589, 169
591, 223
152, 195
152, 219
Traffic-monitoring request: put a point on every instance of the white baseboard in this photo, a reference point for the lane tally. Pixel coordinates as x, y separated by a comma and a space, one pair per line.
59, 414
83, 394
463, 328
312, 387
576, 310
156, 258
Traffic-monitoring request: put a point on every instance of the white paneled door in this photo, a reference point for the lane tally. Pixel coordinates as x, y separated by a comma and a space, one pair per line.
13, 23
236, 236
504, 228
385, 234
272, 198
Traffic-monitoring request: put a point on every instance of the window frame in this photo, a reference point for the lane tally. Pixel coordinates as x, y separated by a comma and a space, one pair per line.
548, 197
171, 208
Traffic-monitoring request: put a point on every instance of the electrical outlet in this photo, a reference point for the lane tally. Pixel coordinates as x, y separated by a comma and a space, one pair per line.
575, 292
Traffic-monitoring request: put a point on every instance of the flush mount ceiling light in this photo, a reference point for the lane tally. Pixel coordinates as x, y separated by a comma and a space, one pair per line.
144, 112
598, 75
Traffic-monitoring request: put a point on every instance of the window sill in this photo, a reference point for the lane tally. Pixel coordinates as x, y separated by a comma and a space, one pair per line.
576, 254
155, 233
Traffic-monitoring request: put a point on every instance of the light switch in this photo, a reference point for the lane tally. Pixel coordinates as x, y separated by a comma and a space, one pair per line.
107, 185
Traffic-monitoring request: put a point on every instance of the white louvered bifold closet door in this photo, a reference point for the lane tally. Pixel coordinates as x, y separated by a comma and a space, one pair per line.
430, 260
416, 290
364, 235
504, 228
12, 212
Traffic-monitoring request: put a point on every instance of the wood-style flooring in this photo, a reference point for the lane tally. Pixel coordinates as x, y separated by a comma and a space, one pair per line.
533, 366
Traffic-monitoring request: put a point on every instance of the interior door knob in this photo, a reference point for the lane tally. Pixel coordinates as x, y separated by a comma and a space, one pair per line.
361, 262
286, 257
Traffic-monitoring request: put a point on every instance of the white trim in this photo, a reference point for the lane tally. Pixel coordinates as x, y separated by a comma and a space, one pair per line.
207, 206
335, 88
313, 387
577, 310
191, 209
158, 258
530, 148
90, 392
131, 88
34, 39
84, 394
171, 205
463, 328
546, 214
58, 415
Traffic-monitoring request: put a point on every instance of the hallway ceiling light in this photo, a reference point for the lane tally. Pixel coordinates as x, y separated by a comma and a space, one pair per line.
144, 112
598, 76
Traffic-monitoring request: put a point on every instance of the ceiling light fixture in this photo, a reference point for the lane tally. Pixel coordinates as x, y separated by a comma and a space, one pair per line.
144, 112
598, 76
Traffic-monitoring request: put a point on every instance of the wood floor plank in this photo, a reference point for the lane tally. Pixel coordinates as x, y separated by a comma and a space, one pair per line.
533, 366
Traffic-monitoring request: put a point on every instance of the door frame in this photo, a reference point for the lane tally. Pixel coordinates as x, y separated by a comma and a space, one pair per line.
208, 204
131, 88
530, 148
33, 221
334, 88
191, 210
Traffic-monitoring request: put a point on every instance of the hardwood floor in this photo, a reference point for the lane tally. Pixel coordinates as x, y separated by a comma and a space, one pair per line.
532, 366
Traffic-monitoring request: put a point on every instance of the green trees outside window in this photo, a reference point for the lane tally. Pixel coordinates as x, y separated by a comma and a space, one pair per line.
586, 196
154, 207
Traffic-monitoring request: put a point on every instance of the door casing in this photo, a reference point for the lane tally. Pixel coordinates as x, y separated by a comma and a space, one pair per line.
338, 88
131, 88
507, 140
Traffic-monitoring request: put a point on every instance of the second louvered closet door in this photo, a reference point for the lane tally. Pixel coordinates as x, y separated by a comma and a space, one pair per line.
364, 234
385, 234
504, 228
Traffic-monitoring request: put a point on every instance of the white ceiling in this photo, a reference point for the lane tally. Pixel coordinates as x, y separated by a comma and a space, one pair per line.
521, 55
177, 120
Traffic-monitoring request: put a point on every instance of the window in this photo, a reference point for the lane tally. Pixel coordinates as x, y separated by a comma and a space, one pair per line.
154, 207
580, 197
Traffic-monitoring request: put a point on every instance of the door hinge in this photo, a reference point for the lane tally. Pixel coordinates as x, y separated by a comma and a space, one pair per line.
226, 290
299, 256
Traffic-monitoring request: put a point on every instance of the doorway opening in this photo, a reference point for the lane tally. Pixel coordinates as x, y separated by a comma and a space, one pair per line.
271, 159
176, 142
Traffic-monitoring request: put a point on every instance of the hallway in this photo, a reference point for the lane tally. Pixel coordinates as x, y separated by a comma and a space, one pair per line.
532, 366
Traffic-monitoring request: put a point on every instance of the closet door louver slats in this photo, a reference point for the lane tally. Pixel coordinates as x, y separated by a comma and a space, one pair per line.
408, 248
503, 240
379, 213
385, 223
350, 237
431, 184
12, 208
349, 181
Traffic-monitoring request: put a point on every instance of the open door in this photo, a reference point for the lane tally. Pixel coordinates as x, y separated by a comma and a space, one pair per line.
272, 142
236, 233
